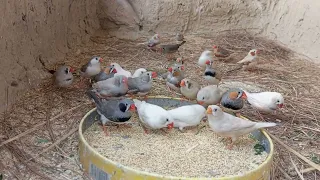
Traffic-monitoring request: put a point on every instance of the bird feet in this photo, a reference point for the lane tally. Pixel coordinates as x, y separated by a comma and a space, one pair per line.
238, 114
164, 132
230, 146
104, 128
144, 129
125, 125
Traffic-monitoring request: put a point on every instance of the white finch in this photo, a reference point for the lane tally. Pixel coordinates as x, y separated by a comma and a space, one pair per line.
205, 55
227, 125
185, 116
252, 56
120, 70
139, 72
265, 101
152, 116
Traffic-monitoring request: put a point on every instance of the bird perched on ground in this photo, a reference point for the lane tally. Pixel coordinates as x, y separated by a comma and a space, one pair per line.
152, 116
227, 125
179, 37
174, 77
185, 116
189, 88
233, 100
139, 72
211, 75
115, 111
63, 76
141, 85
251, 57
209, 95
168, 49
120, 70
154, 40
204, 57
107, 73
113, 87
265, 101
220, 52
177, 63
92, 68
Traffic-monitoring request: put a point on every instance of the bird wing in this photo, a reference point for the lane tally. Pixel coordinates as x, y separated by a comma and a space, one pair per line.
107, 107
245, 59
188, 114
84, 67
149, 114
235, 124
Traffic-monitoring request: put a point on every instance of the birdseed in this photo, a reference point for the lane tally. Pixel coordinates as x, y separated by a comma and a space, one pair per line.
192, 153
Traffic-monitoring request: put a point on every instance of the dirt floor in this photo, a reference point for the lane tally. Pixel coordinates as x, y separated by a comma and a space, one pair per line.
47, 149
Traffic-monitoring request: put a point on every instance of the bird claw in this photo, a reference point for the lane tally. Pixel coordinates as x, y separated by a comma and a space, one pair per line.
238, 114
105, 130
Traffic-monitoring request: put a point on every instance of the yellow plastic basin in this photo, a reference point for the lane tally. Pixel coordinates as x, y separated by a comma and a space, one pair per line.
102, 168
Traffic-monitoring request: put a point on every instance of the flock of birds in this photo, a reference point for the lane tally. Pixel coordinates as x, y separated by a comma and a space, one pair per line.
111, 86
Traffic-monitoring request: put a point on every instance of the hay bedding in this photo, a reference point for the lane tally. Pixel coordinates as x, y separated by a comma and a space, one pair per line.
278, 71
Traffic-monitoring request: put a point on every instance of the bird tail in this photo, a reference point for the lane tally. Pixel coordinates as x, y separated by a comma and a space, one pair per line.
265, 124
182, 43
137, 103
52, 71
92, 95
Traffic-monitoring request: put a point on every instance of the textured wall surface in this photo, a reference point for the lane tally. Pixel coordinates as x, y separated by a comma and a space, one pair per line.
294, 23
37, 33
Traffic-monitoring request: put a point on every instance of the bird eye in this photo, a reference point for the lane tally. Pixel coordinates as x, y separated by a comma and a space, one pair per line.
202, 98
126, 104
215, 110
239, 92
167, 120
278, 101
141, 72
96, 58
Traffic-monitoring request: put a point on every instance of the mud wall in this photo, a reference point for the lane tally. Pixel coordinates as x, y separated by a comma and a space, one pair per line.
294, 23
34, 34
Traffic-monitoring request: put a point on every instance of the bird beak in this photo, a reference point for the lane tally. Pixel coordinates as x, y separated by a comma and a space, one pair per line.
182, 83
132, 107
72, 70
170, 69
201, 102
280, 105
214, 47
182, 68
253, 53
113, 70
209, 110
154, 75
244, 96
170, 126
100, 59
258, 51
208, 62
